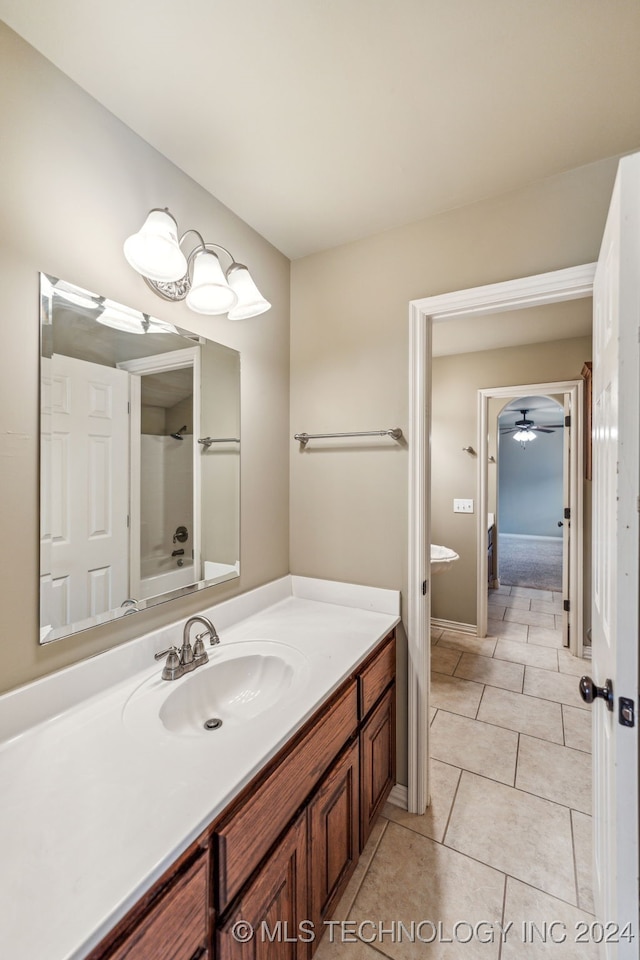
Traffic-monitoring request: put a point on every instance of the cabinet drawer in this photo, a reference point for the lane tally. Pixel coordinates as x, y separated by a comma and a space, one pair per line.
377, 675
245, 837
176, 927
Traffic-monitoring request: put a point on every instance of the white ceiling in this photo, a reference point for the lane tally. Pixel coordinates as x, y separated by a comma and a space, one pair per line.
322, 121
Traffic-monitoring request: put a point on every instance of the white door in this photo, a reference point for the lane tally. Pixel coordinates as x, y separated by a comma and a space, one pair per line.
86, 473
565, 520
616, 394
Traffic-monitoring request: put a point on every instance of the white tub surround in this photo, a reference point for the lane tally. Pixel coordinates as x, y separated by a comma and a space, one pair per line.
95, 807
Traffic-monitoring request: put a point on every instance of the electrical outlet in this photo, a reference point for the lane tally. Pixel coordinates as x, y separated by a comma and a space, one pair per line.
463, 506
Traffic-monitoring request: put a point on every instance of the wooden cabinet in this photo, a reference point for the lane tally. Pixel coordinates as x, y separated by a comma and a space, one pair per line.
334, 834
285, 849
272, 907
377, 761
171, 923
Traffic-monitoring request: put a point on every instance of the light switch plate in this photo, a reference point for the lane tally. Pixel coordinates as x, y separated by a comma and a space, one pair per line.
463, 506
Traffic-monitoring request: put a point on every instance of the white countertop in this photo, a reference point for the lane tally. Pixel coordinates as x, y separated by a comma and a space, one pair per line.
93, 809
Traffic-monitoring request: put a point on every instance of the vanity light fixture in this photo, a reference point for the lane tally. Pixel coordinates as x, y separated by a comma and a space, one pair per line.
155, 252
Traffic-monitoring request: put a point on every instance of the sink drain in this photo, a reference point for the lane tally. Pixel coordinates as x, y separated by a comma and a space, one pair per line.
212, 724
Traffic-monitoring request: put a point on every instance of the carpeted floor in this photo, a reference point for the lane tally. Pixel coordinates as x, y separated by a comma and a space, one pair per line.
523, 562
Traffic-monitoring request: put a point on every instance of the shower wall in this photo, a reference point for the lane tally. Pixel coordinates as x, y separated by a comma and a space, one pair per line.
166, 475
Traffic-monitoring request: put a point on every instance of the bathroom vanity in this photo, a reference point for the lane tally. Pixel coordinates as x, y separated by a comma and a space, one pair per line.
199, 840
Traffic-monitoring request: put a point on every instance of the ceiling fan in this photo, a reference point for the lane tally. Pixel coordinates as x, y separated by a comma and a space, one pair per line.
526, 426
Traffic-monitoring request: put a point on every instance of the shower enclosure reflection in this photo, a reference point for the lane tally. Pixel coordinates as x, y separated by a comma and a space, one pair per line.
140, 461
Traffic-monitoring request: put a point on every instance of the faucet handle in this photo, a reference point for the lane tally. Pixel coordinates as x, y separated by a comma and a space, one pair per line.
172, 669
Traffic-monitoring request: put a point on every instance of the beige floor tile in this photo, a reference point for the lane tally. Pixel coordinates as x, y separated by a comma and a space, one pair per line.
455, 695
558, 618
436, 633
539, 718
544, 606
526, 653
479, 747
548, 685
340, 950
555, 772
557, 596
415, 878
578, 732
444, 659
522, 835
502, 591
347, 899
496, 611
467, 644
518, 603
443, 783
532, 594
583, 848
507, 630
531, 617
576, 666
545, 637
525, 906
497, 673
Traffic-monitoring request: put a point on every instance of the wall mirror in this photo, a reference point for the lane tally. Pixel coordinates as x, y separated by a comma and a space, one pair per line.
139, 460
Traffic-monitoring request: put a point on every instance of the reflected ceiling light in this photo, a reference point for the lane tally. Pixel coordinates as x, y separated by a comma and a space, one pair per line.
155, 252
119, 317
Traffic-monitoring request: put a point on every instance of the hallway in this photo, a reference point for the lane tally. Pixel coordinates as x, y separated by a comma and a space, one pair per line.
507, 839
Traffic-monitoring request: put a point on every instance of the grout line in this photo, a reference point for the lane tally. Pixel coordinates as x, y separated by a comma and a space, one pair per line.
575, 859
475, 716
564, 735
453, 803
504, 907
515, 772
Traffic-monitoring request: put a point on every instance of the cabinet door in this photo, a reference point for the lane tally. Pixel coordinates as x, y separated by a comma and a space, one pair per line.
334, 834
272, 907
377, 761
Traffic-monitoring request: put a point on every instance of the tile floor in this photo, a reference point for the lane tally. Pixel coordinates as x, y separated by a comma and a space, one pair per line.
507, 839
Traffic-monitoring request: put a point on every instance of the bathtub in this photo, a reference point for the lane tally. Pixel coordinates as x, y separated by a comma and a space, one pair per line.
161, 573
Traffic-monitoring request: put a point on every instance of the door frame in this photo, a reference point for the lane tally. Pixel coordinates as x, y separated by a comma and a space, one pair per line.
160, 363
572, 283
575, 391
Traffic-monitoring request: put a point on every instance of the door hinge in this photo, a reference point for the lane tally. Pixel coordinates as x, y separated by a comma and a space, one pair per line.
567, 421
567, 513
425, 584
566, 606
626, 712
128, 520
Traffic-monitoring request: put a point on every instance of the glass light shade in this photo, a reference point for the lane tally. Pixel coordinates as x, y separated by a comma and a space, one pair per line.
523, 436
210, 293
250, 300
154, 251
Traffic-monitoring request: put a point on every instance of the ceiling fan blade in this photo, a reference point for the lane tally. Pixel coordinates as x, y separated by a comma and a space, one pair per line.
543, 430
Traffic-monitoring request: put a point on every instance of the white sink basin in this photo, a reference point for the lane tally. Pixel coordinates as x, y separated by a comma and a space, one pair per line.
442, 558
242, 683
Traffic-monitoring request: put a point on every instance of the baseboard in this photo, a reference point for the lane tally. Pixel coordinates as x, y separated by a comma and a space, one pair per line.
454, 625
399, 796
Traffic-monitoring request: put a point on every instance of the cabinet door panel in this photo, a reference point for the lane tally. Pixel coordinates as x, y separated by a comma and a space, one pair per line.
377, 761
273, 905
377, 675
334, 831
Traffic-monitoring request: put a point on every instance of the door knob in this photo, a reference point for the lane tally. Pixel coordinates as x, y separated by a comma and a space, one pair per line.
560, 523
590, 692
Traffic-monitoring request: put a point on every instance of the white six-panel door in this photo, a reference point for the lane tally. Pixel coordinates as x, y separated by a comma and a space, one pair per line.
616, 474
85, 479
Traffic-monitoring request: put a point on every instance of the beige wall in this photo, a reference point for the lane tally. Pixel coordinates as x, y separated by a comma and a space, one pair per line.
75, 183
456, 381
349, 350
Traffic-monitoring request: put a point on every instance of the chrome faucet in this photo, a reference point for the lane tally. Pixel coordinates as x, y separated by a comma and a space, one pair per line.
188, 658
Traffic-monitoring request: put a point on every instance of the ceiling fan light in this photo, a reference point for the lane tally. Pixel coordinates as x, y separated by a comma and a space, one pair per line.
209, 293
154, 251
524, 436
250, 303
